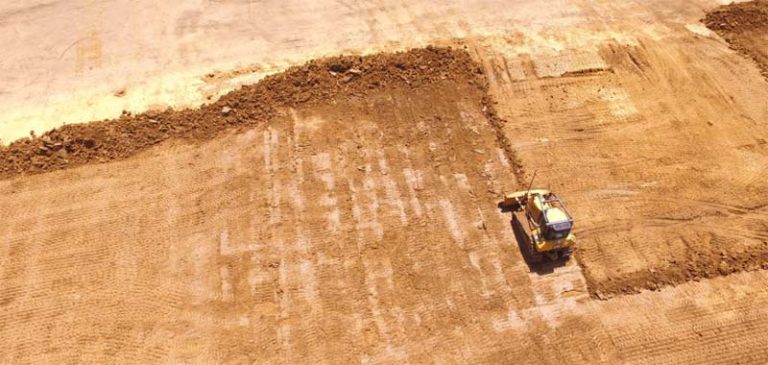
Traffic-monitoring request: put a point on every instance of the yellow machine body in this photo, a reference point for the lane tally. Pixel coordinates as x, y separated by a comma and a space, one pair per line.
543, 219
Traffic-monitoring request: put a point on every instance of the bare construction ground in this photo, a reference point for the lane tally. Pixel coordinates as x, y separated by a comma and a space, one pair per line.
344, 210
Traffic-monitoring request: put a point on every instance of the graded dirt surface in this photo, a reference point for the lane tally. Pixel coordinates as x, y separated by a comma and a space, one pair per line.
666, 173
352, 229
344, 211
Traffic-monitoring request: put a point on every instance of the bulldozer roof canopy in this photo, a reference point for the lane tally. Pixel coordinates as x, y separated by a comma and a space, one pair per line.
556, 215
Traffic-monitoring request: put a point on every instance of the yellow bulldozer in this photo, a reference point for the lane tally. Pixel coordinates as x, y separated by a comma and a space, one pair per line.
541, 220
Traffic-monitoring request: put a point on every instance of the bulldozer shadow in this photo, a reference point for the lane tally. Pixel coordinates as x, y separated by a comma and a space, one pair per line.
545, 266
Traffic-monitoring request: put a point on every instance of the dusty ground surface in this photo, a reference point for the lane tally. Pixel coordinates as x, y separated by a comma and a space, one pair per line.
662, 154
355, 221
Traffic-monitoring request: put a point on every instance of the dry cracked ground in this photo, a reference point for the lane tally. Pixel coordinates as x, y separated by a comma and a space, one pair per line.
344, 210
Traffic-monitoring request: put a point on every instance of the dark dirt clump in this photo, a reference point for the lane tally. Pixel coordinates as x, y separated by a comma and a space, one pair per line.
745, 27
318, 81
738, 18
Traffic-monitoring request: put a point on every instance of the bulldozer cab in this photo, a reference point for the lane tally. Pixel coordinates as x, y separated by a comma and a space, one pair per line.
554, 219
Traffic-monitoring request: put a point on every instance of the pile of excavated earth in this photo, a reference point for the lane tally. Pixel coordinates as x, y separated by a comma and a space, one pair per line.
319, 81
703, 260
743, 26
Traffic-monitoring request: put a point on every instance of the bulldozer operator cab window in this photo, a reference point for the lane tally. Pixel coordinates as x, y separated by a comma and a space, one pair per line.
557, 231
557, 224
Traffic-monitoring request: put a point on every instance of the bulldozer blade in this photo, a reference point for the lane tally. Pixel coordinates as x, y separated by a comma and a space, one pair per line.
509, 204
515, 199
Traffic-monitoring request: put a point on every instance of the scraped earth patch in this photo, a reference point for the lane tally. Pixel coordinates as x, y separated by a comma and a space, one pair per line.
668, 241
745, 27
349, 221
700, 259
348, 80
364, 229
660, 196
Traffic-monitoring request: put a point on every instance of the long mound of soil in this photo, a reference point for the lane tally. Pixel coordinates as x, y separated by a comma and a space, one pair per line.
317, 81
702, 261
745, 27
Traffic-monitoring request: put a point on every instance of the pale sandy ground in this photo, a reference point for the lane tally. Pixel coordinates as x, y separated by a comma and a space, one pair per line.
157, 260
64, 61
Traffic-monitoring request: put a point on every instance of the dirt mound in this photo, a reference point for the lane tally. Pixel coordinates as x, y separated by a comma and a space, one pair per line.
700, 263
743, 26
317, 81
738, 18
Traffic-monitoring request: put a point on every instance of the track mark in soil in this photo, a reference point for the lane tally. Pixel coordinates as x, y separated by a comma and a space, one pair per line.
497, 124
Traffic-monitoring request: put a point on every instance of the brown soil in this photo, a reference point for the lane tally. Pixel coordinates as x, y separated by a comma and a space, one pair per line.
650, 213
355, 222
745, 27
321, 81
700, 261
333, 81
362, 228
